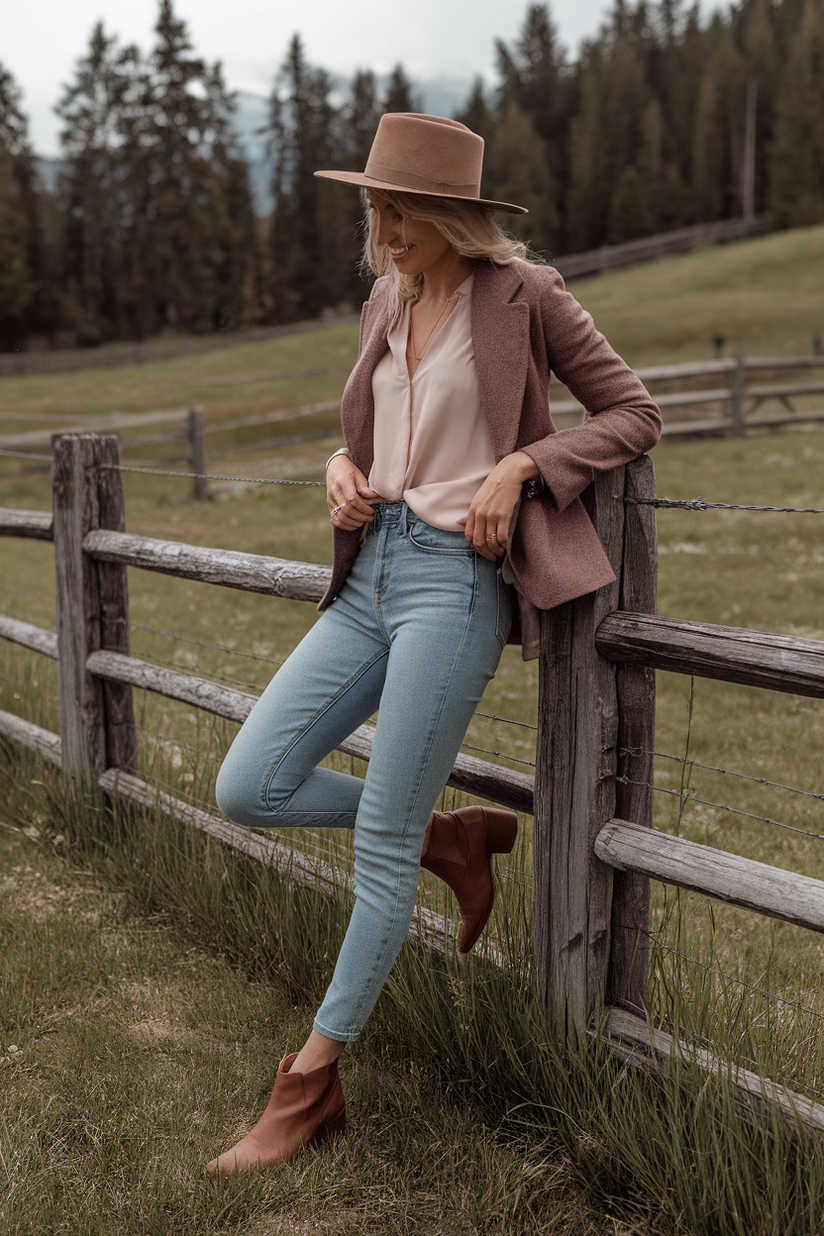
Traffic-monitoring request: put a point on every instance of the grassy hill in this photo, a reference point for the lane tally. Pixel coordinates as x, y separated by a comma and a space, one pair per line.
764, 295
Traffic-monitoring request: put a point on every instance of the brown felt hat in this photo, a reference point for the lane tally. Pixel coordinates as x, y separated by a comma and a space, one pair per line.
412, 153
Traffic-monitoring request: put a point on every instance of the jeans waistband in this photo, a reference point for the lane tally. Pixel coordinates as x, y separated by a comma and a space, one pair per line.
390, 513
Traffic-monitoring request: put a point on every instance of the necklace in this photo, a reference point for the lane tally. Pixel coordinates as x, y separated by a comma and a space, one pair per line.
419, 355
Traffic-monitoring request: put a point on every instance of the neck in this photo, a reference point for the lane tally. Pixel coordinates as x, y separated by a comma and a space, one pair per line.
442, 280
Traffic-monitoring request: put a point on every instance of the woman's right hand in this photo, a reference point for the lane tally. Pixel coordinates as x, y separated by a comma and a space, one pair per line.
348, 496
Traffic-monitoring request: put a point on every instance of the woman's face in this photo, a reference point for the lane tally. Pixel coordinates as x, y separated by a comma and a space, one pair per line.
415, 247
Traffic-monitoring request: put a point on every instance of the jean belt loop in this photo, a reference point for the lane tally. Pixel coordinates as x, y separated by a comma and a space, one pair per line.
405, 514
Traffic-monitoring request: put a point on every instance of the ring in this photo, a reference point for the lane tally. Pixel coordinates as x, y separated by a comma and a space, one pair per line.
335, 509
491, 536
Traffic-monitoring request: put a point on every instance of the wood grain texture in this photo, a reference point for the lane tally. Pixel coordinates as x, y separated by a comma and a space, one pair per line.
635, 688
732, 654
575, 787
35, 525
278, 577
76, 510
32, 736
36, 638
704, 869
633, 1040
113, 593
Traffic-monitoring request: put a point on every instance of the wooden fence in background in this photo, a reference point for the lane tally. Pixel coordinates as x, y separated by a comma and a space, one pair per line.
595, 847
733, 400
647, 248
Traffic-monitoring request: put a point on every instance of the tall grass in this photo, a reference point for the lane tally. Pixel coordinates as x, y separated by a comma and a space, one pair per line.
681, 1151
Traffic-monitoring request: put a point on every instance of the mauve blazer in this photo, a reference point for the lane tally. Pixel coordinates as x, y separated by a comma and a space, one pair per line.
525, 324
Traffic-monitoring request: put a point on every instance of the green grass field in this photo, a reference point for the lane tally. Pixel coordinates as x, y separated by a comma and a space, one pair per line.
739, 568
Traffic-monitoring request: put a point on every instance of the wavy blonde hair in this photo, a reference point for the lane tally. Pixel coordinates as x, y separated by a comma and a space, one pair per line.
470, 229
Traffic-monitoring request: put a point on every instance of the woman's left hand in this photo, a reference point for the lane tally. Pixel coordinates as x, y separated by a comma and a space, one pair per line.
487, 524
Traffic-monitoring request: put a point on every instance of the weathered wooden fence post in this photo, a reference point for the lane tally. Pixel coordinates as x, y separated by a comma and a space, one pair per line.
596, 723
575, 787
635, 688
738, 383
197, 454
96, 719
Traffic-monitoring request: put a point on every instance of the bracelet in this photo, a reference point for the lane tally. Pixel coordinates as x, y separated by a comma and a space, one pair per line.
344, 450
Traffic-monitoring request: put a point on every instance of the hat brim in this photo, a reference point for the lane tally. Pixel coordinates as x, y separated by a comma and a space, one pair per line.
369, 182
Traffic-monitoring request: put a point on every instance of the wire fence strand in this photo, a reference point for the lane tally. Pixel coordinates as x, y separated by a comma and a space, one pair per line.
701, 504
727, 772
687, 798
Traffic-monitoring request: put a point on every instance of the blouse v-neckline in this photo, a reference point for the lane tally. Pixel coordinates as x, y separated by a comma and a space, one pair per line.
460, 294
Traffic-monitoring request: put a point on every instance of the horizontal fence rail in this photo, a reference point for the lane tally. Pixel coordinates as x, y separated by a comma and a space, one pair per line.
300, 581
715, 873
732, 654
591, 797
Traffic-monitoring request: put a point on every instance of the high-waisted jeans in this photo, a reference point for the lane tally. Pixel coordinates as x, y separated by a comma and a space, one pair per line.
416, 633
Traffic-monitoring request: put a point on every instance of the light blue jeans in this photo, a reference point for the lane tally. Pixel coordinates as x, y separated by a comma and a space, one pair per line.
416, 632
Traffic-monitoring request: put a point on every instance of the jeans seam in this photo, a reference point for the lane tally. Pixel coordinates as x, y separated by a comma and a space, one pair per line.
347, 686
430, 739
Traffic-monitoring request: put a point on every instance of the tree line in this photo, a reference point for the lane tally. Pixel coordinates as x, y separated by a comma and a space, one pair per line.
152, 223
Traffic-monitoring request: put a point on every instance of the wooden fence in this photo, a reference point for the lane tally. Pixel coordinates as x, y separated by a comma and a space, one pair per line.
734, 398
595, 847
646, 248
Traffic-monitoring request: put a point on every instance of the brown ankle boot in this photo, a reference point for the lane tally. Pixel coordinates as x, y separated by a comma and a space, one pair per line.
457, 847
304, 1109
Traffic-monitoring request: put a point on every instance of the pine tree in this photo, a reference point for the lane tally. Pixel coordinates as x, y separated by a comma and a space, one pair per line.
535, 76
184, 170
477, 114
797, 156
91, 189
517, 168
28, 296
306, 220
399, 96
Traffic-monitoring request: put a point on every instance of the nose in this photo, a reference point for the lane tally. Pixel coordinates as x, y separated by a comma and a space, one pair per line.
388, 230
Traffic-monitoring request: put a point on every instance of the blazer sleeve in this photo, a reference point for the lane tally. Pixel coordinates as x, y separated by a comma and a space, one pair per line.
622, 420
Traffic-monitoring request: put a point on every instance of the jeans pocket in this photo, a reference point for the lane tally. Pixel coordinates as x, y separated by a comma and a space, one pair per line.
438, 540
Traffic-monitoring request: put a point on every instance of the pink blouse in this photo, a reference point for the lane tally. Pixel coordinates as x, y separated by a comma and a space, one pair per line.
431, 439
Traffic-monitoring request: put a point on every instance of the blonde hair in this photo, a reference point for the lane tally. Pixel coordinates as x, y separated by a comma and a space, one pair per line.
470, 229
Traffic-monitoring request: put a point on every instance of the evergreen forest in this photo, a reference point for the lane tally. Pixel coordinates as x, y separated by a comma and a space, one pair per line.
152, 224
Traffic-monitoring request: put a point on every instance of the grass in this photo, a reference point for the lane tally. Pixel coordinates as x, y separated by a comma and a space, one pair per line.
468, 1118
139, 1053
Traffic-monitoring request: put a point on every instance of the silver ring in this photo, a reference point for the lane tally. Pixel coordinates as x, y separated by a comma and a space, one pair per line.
491, 536
335, 509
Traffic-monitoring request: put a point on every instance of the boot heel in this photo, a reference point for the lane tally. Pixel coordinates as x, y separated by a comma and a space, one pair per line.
501, 830
330, 1128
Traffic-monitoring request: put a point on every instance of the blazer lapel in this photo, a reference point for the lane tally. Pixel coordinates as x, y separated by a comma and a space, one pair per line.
500, 339
358, 406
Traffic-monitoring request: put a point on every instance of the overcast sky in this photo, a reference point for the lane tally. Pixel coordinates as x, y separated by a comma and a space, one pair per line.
41, 39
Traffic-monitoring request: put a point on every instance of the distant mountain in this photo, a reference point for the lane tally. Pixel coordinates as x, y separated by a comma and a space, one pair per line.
441, 96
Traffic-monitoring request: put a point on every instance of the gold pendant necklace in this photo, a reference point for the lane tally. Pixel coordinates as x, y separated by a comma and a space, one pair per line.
420, 355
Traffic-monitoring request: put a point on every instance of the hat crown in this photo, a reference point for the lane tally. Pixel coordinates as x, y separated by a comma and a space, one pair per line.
427, 153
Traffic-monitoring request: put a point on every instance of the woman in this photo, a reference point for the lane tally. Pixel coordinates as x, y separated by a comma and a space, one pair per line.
447, 425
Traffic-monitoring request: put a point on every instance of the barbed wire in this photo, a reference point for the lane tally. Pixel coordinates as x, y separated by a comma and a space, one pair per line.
185, 639
25, 455
500, 754
678, 759
209, 476
701, 504
704, 802
507, 720
25, 592
175, 665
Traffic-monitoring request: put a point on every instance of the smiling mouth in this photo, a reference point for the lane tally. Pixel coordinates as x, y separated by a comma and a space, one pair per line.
398, 252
